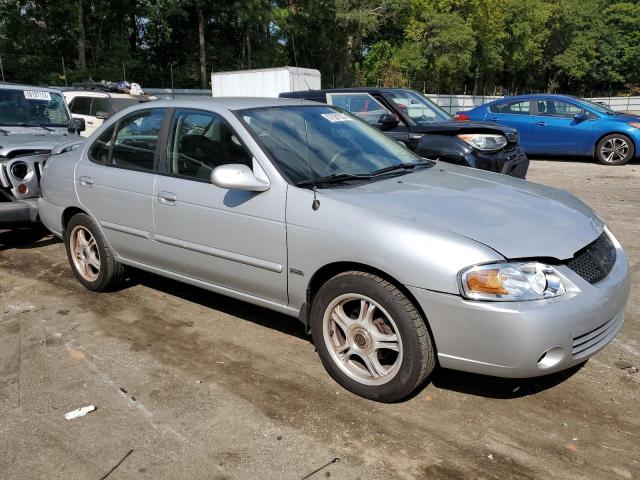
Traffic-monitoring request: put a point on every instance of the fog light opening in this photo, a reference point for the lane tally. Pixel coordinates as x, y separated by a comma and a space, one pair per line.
551, 357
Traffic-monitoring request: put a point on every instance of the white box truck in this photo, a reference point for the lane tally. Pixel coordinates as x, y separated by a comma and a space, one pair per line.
264, 82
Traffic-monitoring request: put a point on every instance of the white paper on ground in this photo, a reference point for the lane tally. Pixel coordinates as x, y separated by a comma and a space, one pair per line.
79, 412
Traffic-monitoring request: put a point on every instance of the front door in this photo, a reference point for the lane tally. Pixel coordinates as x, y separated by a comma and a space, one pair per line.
557, 132
114, 181
231, 238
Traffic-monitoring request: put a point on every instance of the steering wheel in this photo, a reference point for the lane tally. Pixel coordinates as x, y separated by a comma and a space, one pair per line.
348, 152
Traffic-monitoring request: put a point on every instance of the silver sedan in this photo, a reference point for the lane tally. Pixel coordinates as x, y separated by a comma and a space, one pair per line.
393, 262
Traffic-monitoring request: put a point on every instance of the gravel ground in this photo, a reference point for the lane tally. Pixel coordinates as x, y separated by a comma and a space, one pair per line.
200, 386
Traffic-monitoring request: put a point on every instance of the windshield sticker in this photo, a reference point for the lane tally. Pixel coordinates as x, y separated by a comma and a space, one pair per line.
34, 95
336, 117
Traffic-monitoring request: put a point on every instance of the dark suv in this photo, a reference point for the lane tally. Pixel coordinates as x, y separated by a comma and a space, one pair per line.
427, 129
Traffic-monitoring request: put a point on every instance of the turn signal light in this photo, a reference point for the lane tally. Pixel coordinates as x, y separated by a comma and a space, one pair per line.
461, 117
485, 281
22, 189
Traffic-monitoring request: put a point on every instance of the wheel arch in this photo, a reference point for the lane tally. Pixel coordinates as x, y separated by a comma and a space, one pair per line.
68, 214
330, 270
616, 132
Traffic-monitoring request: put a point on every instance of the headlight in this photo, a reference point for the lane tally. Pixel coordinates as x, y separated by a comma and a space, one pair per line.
486, 142
634, 124
511, 281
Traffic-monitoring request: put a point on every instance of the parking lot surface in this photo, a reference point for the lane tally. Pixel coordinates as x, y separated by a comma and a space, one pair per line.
201, 386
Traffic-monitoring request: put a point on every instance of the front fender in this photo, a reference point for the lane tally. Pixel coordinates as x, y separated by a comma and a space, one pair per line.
446, 148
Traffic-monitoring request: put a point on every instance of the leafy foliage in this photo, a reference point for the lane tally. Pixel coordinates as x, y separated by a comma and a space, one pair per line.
478, 46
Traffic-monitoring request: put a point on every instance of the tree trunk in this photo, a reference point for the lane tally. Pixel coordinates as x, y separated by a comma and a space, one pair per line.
82, 43
203, 54
248, 40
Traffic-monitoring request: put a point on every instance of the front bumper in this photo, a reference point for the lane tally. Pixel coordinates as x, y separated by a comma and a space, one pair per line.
508, 339
19, 213
512, 162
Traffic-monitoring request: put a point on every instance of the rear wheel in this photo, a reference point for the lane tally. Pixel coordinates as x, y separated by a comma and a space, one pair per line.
615, 149
91, 260
370, 337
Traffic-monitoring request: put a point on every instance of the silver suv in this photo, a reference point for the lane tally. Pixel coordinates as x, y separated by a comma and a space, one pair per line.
33, 121
390, 260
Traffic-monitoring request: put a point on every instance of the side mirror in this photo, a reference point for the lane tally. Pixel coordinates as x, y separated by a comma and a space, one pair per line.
102, 115
77, 125
237, 176
581, 117
388, 120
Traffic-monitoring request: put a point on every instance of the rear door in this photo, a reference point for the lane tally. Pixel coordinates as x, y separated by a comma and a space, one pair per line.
558, 132
517, 114
115, 179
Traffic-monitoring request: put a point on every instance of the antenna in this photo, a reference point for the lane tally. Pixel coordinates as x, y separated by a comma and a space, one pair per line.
315, 205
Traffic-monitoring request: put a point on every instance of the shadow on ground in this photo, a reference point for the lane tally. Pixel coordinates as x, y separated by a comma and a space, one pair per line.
462, 382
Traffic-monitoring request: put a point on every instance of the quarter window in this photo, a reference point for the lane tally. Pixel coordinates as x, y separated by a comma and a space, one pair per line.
81, 105
136, 139
521, 108
201, 141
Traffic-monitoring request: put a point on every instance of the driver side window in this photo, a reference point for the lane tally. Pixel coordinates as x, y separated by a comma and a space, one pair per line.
201, 141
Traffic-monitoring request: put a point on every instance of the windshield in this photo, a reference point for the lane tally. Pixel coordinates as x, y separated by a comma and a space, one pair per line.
417, 107
362, 105
597, 106
122, 103
32, 108
308, 142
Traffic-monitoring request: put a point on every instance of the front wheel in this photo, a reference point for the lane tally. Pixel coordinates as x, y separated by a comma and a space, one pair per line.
370, 337
615, 149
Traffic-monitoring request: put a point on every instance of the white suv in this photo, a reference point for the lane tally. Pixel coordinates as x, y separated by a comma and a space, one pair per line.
95, 107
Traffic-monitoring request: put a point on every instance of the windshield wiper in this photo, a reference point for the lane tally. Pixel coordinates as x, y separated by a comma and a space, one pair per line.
401, 166
3, 131
335, 178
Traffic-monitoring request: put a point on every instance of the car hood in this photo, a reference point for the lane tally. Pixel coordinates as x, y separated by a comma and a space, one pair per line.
624, 118
516, 218
40, 140
459, 127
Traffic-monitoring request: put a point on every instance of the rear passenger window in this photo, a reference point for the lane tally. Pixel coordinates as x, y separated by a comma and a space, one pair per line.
136, 138
99, 105
100, 150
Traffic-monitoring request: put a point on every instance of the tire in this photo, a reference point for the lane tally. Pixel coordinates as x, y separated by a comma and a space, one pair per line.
615, 149
101, 271
349, 343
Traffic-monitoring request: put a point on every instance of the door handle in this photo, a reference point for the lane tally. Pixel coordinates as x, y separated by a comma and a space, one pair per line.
86, 182
492, 119
541, 124
167, 198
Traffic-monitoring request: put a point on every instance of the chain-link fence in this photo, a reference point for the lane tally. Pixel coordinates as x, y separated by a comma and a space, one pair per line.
61, 71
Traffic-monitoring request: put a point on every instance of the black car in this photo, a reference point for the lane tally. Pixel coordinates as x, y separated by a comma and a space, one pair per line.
427, 129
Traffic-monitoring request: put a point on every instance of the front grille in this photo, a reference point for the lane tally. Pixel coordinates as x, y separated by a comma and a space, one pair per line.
588, 342
595, 261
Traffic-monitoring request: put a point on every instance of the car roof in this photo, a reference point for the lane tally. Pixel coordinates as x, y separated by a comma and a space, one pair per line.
16, 86
102, 94
229, 103
317, 93
537, 96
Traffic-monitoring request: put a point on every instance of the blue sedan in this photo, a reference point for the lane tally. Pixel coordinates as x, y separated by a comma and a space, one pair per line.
564, 125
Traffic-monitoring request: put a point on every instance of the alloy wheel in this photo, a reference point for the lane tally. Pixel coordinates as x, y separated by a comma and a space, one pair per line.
85, 253
614, 150
362, 339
